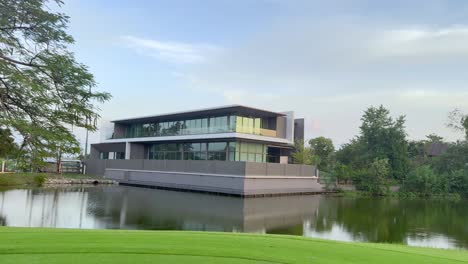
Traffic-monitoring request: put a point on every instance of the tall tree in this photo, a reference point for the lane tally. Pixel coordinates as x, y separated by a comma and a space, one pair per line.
458, 121
323, 148
385, 138
43, 90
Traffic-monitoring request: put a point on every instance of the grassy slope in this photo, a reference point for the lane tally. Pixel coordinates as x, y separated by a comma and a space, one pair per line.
30, 245
16, 179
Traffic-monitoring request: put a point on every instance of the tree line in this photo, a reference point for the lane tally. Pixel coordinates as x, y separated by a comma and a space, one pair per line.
382, 156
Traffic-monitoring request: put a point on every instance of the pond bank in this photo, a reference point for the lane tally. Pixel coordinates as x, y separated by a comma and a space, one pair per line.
38, 245
78, 181
34, 179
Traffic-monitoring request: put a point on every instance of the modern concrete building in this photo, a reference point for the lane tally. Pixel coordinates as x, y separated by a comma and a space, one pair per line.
169, 150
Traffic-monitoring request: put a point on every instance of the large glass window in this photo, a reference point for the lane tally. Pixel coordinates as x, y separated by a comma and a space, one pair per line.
214, 124
252, 152
217, 150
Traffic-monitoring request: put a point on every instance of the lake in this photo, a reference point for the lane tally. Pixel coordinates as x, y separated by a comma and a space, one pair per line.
441, 224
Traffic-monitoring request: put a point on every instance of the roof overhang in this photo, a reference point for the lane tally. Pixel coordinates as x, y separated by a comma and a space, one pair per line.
215, 111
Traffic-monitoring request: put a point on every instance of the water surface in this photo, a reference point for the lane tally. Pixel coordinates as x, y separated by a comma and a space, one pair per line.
439, 224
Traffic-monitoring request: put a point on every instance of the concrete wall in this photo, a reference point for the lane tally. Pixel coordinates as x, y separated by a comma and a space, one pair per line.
178, 180
281, 127
217, 183
289, 126
236, 178
239, 168
280, 185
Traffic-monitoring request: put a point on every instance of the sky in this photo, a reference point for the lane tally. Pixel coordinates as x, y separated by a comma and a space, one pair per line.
326, 60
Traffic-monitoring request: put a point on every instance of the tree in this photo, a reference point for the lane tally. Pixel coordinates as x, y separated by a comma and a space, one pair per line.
7, 143
385, 138
353, 154
458, 121
302, 154
374, 179
322, 148
43, 90
433, 138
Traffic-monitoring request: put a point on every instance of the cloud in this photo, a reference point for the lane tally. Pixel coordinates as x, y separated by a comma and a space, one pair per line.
431, 43
173, 52
331, 73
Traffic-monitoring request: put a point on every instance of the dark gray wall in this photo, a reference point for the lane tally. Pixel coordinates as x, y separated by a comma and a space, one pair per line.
299, 129
137, 151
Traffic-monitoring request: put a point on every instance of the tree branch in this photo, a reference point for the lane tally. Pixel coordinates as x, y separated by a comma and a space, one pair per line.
13, 61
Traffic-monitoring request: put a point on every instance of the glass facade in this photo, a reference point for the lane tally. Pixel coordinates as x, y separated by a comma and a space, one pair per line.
233, 151
215, 124
218, 124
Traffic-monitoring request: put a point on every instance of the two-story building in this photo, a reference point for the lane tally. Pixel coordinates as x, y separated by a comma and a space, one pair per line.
223, 141
229, 133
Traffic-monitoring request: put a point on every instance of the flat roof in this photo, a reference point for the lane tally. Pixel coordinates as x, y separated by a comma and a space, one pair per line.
202, 112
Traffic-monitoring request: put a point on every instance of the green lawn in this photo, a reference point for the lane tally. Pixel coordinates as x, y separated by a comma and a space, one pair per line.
31, 245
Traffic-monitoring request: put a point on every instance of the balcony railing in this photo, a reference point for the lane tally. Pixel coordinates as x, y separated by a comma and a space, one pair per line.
268, 132
262, 132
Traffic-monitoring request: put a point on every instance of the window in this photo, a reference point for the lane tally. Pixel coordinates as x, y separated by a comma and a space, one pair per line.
217, 150
252, 152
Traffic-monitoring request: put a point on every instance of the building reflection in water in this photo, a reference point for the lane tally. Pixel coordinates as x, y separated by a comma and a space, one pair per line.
140, 208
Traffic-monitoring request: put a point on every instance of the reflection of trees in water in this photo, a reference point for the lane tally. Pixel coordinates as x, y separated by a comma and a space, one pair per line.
391, 220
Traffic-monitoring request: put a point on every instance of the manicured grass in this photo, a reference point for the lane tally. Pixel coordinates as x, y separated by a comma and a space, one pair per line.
18, 179
32, 245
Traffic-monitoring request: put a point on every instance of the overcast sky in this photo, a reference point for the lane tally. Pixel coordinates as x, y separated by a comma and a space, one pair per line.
326, 60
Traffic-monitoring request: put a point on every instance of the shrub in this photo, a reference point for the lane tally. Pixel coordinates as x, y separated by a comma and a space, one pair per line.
39, 179
374, 180
457, 182
425, 182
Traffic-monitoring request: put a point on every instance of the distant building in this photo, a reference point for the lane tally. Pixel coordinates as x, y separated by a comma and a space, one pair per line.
436, 149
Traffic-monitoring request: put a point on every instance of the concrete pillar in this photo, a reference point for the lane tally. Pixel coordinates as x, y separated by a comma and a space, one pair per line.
127, 150
289, 125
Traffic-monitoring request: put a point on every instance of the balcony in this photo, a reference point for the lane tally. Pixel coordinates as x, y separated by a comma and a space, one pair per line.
267, 132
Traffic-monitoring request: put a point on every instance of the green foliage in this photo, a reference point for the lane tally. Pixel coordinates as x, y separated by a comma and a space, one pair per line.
343, 173
424, 181
7, 143
40, 179
457, 182
374, 179
322, 148
43, 90
455, 158
303, 154
381, 137
385, 138
353, 154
